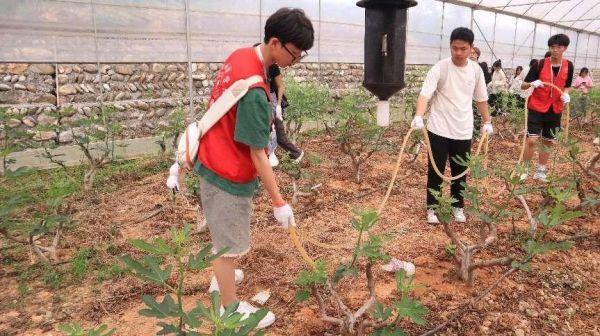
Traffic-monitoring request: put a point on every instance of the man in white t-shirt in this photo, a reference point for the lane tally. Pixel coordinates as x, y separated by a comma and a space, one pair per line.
452, 84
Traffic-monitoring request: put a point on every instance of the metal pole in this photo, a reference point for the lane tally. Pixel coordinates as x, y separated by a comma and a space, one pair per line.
514, 43
576, 46
189, 55
534, 36
472, 17
97, 48
319, 44
442, 30
597, 61
494, 35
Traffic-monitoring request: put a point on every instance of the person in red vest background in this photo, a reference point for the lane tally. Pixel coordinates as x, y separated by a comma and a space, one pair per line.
546, 103
232, 154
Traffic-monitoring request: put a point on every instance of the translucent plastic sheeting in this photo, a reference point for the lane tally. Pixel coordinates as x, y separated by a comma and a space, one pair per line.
423, 45
575, 14
155, 30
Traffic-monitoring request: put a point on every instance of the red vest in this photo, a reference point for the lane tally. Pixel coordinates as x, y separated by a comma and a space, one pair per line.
218, 151
543, 97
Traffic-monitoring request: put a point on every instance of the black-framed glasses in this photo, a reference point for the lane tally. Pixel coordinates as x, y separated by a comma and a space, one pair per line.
295, 58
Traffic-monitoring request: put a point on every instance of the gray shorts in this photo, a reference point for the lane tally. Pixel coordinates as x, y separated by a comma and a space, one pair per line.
228, 219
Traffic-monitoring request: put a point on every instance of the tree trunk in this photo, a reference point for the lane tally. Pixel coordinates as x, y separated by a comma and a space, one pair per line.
88, 178
464, 271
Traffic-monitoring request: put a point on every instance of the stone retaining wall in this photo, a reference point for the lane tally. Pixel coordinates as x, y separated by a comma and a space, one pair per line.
144, 94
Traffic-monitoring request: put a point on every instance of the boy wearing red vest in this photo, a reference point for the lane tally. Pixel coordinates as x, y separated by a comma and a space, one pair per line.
232, 154
546, 103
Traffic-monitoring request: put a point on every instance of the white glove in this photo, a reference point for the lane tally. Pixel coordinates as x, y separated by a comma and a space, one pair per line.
284, 215
537, 83
487, 128
417, 123
278, 112
565, 98
173, 180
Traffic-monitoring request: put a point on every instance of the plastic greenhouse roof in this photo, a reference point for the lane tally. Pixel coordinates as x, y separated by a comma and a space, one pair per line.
578, 15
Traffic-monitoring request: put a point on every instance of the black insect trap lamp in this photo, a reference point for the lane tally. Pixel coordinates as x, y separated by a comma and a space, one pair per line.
385, 38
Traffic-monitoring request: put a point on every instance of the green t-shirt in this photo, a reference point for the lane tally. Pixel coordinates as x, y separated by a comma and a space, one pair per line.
252, 128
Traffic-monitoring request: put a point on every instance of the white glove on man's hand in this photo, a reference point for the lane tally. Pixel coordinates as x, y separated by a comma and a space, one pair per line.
284, 215
565, 98
173, 180
487, 128
417, 123
537, 83
278, 112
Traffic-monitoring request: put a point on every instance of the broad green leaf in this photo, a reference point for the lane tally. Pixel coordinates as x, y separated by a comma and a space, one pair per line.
342, 271
157, 247
148, 270
168, 329
412, 309
380, 312
166, 308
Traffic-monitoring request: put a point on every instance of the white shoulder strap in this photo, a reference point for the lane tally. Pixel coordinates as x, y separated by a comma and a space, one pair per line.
225, 102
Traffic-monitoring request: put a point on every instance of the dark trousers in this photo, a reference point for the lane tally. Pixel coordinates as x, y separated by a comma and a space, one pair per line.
283, 141
442, 148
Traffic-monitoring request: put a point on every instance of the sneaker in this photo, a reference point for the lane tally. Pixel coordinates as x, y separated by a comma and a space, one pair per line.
541, 175
459, 215
214, 285
246, 309
273, 160
299, 158
432, 217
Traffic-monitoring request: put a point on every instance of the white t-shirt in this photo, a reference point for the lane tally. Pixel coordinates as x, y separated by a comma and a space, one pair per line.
451, 112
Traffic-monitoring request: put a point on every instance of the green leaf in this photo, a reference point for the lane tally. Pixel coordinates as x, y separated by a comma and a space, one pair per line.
390, 331
204, 258
149, 269
166, 308
168, 329
525, 267
534, 248
380, 312
307, 278
302, 295
157, 247
344, 270
412, 309
76, 330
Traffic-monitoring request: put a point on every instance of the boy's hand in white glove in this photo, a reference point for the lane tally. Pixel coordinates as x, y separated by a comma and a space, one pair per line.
173, 180
417, 123
487, 128
537, 83
565, 98
279, 112
284, 215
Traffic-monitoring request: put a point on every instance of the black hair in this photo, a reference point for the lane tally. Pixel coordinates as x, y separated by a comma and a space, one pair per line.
559, 39
290, 25
584, 69
518, 68
547, 54
496, 64
533, 63
463, 34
